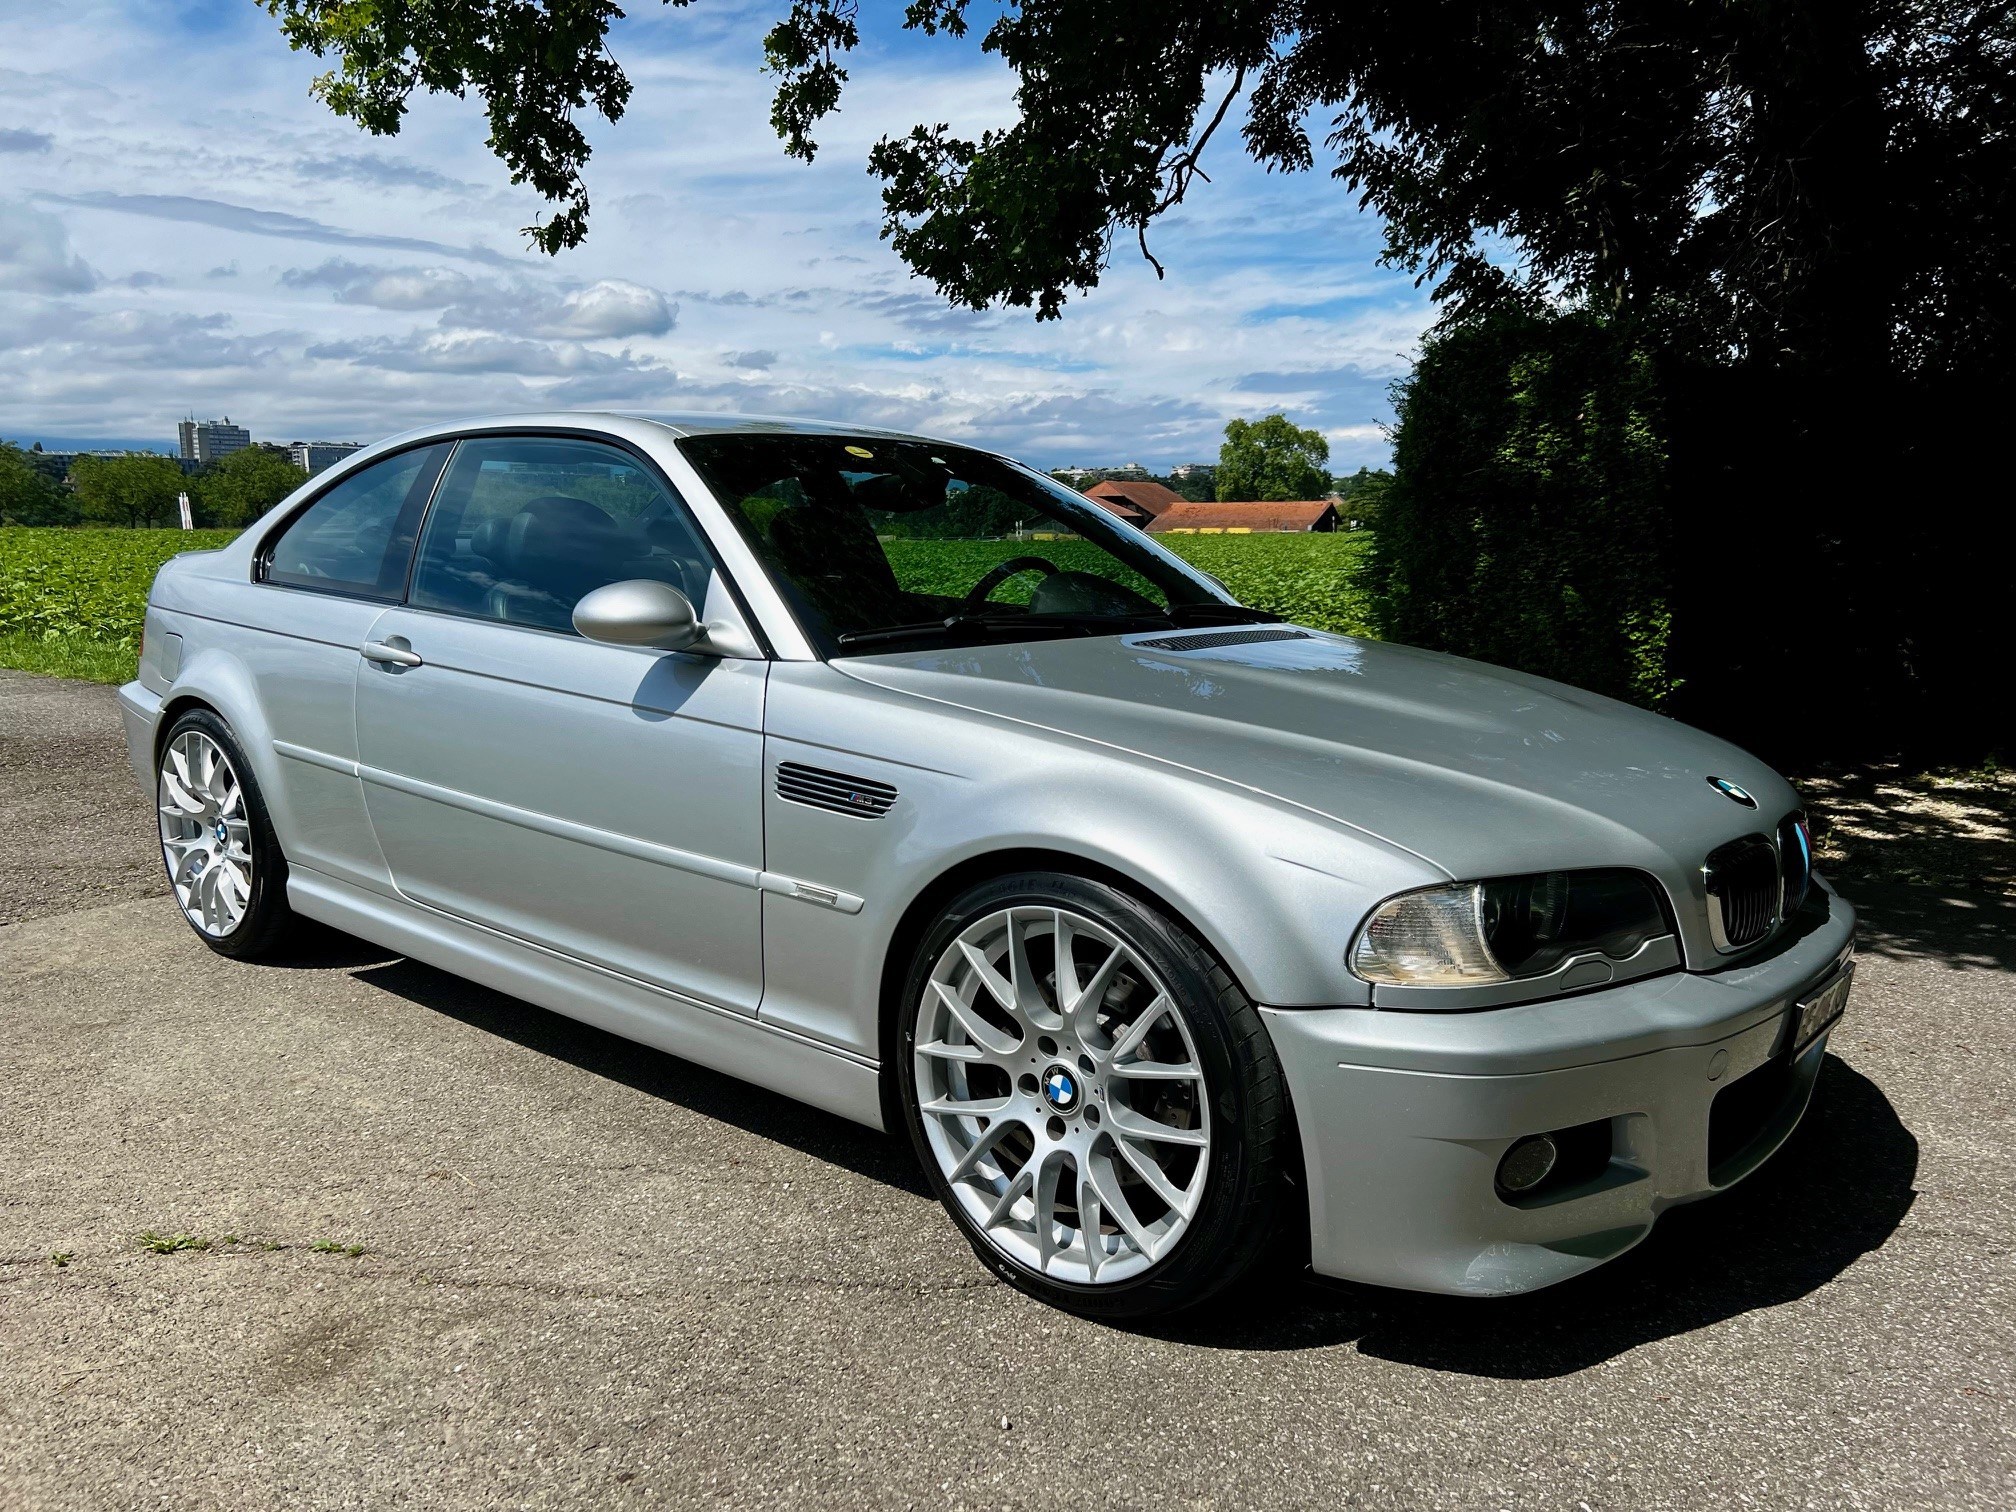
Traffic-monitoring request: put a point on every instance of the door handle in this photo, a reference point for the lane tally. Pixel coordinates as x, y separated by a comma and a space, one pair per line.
385, 653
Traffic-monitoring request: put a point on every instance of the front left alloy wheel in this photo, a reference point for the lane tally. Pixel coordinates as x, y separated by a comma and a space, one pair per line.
228, 874
1095, 1100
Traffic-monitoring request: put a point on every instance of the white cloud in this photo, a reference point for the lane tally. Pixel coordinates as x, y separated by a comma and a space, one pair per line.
466, 352
35, 255
270, 261
406, 288
610, 307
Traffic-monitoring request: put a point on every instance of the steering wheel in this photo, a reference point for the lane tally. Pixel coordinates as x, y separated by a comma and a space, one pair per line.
1002, 571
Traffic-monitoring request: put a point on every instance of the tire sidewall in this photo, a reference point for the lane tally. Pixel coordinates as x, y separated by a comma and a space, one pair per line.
1195, 1267
267, 912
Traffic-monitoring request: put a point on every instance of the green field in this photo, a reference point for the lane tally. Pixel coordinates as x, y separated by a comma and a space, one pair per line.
1305, 578
71, 601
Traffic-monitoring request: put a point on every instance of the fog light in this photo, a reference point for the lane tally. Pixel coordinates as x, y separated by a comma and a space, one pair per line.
1527, 1163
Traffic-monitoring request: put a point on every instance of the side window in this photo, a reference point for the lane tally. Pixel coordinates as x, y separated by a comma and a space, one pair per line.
358, 537
524, 526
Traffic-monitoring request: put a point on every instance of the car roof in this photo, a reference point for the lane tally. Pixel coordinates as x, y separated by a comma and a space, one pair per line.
701, 422
684, 423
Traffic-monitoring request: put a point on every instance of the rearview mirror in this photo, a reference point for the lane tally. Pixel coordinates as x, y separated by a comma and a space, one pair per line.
639, 612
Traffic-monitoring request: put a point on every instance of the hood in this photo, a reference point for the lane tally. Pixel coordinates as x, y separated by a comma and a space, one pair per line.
1477, 770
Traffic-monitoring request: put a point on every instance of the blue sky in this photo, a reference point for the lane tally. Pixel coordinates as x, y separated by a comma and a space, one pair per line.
182, 230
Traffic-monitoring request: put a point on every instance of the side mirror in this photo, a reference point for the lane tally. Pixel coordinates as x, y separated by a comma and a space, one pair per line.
639, 612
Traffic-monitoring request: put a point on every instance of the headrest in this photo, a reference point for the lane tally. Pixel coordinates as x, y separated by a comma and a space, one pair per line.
548, 528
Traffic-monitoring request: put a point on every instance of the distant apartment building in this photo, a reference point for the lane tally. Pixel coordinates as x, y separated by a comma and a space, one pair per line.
1184, 470
1126, 472
207, 440
312, 456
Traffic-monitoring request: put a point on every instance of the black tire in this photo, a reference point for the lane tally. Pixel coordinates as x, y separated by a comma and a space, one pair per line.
269, 926
1240, 1214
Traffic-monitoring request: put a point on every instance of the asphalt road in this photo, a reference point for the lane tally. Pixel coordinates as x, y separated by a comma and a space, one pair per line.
592, 1274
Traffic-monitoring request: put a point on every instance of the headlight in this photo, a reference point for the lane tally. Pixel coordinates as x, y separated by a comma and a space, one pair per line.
1470, 934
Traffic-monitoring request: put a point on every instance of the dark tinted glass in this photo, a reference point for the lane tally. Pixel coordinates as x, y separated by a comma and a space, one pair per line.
874, 541
358, 537
525, 525
1533, 924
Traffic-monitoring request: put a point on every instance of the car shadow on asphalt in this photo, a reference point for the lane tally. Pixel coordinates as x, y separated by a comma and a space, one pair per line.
1837, 1190
768, 1115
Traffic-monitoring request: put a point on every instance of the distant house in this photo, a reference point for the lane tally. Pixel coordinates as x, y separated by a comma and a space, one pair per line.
1136, 503
1183, 518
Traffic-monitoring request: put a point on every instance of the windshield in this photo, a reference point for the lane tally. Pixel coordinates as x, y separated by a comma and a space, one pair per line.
881, 544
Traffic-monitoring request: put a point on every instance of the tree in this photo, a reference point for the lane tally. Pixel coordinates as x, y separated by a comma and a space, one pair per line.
1272, 458
241, 486
27, 497
1528, 523
1796, 210
134, 490
1364, 493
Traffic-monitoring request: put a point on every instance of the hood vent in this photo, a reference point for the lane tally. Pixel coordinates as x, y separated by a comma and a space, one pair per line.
1206, 640
857, 797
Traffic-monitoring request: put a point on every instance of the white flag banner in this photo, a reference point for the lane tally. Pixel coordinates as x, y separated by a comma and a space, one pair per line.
188, 519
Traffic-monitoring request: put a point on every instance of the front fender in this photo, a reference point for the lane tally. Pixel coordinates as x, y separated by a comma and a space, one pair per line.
1274, 891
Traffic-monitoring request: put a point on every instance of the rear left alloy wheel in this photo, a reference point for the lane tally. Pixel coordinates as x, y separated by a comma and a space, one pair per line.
226, 869
1096, 1102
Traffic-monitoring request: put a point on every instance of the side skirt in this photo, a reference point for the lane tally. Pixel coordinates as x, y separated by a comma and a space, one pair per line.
712, 1037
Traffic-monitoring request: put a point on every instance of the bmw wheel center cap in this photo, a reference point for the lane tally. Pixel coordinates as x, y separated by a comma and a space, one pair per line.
1061, 1090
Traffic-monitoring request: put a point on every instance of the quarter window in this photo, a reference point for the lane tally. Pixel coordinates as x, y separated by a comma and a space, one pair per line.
524, 526
357, 538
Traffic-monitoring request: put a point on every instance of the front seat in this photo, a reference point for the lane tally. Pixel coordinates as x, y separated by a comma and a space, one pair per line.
547, 556
832, 554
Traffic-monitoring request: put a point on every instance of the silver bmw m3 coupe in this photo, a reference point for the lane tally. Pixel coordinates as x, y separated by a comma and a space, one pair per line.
891, 775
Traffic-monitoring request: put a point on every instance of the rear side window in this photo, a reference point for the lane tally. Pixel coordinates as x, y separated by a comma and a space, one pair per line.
358, 537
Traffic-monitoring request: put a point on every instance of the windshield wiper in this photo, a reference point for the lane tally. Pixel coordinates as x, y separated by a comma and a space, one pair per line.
1221, 614
949, 625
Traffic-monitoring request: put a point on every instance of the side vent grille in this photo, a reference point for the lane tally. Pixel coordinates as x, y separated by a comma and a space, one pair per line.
837, 792
1205, 640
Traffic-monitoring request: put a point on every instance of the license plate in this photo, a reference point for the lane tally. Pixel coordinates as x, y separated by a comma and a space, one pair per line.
1813, 1016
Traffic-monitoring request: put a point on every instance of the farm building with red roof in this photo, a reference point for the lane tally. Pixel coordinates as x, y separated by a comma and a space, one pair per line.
1136, 503
1238, 518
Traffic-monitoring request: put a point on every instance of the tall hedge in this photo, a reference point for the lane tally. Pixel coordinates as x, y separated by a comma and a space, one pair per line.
1528, 522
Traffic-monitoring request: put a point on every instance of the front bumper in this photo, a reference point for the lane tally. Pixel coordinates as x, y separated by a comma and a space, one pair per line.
1405, 1116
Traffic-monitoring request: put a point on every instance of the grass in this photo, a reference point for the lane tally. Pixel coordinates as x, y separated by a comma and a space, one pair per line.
332, 1247
72, 601
74, 657
170, 1244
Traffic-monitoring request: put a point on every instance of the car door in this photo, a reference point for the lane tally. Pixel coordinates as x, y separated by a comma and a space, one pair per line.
320, 582
601, 801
